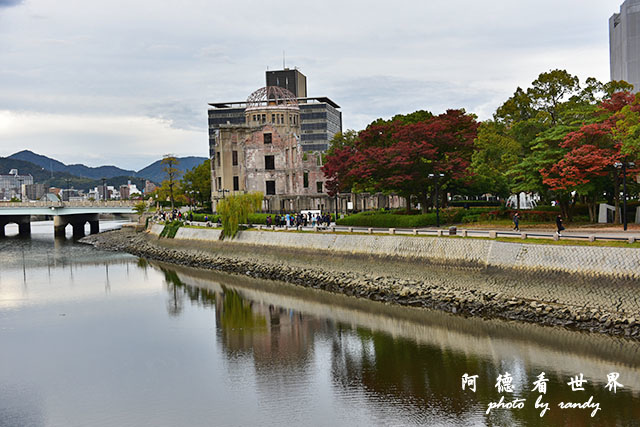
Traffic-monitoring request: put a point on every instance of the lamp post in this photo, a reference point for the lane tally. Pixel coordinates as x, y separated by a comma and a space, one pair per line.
624, 166
436, 177
191, 199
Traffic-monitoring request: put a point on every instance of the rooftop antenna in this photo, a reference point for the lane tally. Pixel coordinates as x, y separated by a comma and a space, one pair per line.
283, 64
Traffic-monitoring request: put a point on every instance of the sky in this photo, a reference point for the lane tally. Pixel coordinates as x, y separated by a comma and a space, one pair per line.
125, 82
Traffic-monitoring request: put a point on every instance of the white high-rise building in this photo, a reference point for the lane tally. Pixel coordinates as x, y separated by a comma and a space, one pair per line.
624, 44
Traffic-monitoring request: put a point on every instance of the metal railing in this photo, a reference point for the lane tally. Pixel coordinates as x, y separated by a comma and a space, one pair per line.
74, 204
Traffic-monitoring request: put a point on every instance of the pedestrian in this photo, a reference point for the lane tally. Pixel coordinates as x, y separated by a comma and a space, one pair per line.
559, 224
516, 221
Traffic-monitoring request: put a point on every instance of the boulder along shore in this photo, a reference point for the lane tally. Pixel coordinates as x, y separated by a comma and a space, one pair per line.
555, 299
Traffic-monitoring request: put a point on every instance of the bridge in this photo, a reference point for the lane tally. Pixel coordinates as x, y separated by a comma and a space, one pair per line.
64, 213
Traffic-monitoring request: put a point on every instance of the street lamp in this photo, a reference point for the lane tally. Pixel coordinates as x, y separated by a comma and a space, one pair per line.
624, 166
191, 199
436, 177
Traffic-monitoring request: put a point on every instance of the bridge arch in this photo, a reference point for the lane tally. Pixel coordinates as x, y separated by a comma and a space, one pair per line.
23, 222
78, 222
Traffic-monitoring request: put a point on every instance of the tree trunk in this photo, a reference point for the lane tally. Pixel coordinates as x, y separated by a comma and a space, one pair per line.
408, 201
424, 200
616, 198
591, 207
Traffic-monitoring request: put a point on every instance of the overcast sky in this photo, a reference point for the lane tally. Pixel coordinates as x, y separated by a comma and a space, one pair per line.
124, 82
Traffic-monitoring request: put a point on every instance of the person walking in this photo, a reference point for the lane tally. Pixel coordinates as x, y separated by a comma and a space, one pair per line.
516, 221
559, 224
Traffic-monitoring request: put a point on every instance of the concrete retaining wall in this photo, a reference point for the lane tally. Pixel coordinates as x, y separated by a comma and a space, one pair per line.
590, 260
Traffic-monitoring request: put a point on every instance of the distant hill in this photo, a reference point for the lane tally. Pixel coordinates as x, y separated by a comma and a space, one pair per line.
153, 172
61, 179
38, 173
78, 170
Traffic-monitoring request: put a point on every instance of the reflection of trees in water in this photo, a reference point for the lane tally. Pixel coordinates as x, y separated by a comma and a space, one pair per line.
237, 314
178, 290
401, 370
276, 339
430, 377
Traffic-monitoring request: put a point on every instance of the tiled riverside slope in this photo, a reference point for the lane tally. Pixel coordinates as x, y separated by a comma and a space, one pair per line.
589, 260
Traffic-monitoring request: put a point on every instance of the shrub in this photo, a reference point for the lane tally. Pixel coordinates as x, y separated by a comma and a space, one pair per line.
400, 219
201, 217
170, 229
475, 203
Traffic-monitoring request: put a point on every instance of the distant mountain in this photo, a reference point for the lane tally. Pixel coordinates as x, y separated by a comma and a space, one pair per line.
77, 170
42, 175
153, 172
44, 162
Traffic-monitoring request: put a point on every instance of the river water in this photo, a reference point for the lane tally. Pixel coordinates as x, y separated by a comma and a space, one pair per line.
93, 338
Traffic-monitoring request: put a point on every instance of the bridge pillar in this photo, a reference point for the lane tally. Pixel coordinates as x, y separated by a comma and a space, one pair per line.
24, 228
59, 225
95, 227
78, 229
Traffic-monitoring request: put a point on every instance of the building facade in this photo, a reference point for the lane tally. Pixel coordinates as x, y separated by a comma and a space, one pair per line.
320, 117
13, 184
34, 191
292, 80
624, 44
265, 154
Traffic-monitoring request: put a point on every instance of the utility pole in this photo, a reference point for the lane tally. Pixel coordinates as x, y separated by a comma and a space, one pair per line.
436, 177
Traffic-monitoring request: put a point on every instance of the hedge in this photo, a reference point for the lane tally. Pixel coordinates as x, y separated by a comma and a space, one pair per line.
475, 203
393, 219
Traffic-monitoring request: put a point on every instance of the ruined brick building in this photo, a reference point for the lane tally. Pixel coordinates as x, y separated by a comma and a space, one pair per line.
265, 154
273, 143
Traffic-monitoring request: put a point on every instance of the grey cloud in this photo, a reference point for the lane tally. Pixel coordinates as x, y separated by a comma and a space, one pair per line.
10, 3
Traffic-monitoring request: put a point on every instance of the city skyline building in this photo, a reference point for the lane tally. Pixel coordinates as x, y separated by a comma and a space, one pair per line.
12, 185
624, 44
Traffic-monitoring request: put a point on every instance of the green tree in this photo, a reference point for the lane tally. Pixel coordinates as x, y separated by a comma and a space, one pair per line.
196, 182
235, 209
140, 208
170, 163
495, 153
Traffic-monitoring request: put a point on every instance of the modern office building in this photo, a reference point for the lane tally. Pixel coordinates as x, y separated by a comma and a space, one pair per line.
34, 191
624, 44
292, 80
12, 185
320, 117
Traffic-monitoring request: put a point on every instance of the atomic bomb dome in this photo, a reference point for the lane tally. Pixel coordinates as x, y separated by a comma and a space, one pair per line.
272, 96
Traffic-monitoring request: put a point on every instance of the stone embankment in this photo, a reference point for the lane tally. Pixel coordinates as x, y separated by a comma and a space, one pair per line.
593, 261
605, 306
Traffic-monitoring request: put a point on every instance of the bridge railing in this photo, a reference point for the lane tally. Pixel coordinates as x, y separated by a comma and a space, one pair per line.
80, 204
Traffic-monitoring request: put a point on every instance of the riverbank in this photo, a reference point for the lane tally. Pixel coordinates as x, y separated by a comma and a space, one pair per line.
548, 298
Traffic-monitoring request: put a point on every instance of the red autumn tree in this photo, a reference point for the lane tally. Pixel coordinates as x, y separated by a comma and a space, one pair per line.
588, 164
398, 157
